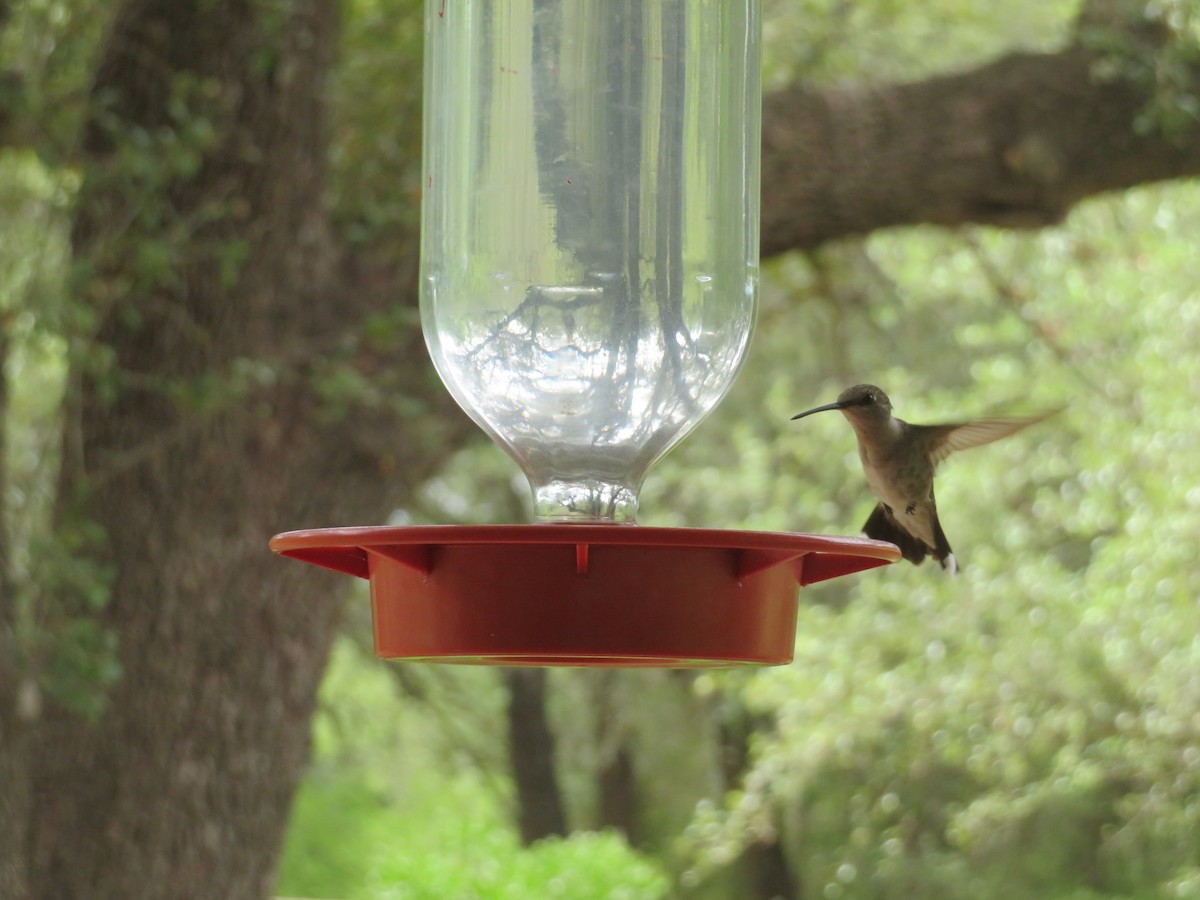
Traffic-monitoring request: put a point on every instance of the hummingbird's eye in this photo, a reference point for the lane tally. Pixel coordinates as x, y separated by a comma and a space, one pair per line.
869, 399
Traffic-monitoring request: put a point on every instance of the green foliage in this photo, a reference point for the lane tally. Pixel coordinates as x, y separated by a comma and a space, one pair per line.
33, 251
1155, 45
391, 809
50, 45
81, 667
376, 104
827, 41
62, 587
58, 582
486, 862
1028, 729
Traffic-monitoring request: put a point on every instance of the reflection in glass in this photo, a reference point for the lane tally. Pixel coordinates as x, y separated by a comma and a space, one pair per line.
590, 228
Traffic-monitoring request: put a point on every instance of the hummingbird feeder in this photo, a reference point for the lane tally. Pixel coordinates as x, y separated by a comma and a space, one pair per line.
589, 277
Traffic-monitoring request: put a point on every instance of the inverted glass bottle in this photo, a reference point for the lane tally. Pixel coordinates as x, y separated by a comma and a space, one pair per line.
589, 246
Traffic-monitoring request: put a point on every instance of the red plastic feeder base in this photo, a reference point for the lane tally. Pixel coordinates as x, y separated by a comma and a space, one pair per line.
584, 595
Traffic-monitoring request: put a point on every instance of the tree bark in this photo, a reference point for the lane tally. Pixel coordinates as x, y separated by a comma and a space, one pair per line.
181, 786
1014, 144
764, 863
531, 756
618, 789
619, 801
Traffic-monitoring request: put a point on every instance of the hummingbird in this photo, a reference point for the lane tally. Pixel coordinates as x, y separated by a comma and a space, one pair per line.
899, 460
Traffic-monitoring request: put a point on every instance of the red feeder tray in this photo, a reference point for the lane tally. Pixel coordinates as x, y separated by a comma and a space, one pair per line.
584, 595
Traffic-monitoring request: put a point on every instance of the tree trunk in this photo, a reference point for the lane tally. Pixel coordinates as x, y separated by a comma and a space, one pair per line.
617, 786
763, 862
619, 801
200, 431
531, 756
767, 868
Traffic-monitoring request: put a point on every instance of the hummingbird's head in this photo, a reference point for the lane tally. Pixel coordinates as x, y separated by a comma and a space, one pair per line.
862, 403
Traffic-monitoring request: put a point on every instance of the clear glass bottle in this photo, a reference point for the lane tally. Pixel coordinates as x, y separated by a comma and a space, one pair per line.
589, 248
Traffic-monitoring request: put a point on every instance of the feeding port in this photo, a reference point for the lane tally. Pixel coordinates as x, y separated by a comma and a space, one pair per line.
589, 275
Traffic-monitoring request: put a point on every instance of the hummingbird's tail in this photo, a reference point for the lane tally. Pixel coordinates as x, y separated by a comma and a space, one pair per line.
941, 551
882, 526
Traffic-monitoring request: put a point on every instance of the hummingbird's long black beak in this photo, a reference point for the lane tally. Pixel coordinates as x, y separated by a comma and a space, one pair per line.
818, 409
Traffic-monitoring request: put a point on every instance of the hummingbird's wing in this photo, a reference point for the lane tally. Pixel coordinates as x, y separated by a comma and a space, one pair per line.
942, 440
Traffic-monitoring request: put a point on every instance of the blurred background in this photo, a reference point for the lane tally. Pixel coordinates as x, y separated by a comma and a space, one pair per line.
207, 301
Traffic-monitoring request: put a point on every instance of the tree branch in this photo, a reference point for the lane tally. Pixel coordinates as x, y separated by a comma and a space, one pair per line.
1015, 144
